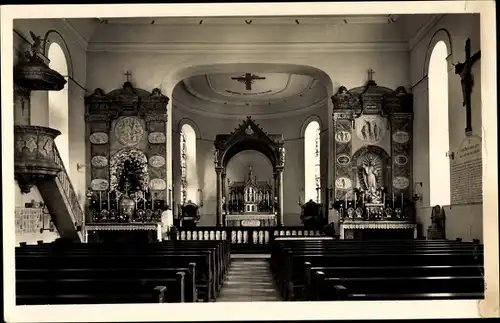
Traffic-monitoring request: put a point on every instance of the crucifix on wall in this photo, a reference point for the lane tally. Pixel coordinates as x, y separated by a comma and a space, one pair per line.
128, 75
464, 70
370, 74
248, 80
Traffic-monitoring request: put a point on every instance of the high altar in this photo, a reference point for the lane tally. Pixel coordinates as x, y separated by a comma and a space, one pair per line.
251, 202
373, 162
126, 155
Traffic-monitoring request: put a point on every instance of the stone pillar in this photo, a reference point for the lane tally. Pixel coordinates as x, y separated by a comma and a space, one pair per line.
223, 181
280, 197
218, 212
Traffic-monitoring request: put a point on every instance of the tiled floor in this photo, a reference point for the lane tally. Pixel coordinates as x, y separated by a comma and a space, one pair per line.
249, 280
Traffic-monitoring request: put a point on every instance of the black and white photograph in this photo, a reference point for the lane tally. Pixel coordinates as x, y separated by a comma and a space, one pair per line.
281, 161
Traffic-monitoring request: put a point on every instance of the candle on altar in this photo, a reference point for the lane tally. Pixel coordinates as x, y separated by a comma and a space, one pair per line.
109, 200
401, 201
345, 199
152, 201
393, 199
363, 198
355, 199
100, 201
383, 199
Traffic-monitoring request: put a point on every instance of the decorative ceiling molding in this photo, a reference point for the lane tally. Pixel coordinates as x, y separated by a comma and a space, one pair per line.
246, 48
219, 115
263, 20
80, 40
420, 34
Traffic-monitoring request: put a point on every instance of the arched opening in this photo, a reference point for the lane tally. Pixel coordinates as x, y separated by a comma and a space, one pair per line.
439, 141
189, 178
312, 162
58, 103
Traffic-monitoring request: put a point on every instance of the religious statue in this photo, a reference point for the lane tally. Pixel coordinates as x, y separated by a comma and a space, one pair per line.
37, 44
369, 176
437, 230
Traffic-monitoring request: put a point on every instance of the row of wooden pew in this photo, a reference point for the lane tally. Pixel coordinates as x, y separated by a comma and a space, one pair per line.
162, 272
377, 270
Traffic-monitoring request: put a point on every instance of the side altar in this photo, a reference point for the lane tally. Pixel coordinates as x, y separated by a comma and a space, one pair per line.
128, 197
373, 135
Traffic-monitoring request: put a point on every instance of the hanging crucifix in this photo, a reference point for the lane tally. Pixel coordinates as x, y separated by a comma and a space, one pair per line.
370, 74
464, 70
248, 79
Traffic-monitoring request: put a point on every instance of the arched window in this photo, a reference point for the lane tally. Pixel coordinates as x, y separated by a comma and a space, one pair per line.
439, 141
189, 177
58, 103
312, 162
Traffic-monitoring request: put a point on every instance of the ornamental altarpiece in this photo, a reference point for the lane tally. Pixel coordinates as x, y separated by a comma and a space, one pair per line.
126, 153
373, 144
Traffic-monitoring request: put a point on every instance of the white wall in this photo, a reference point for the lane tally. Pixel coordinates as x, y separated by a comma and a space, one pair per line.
463, 221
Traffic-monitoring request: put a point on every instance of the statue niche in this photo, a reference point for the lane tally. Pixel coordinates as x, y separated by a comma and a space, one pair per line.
371, 172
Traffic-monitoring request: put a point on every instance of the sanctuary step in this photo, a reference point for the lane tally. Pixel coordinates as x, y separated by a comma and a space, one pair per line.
249, 280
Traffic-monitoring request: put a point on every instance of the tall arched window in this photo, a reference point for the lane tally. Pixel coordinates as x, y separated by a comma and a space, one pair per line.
58, 103
439, 141
189, 177
312, 162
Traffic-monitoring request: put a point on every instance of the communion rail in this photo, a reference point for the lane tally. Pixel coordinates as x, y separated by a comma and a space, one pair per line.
245, 239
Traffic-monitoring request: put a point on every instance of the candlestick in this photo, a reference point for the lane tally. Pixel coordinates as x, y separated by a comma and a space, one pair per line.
109, 201
401, 201
363, 198
355, 199
383, 200
152, 201
100, 201
393, 199
345, 199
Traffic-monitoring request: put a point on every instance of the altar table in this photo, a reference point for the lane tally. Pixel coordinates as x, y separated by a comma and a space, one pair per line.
353, 229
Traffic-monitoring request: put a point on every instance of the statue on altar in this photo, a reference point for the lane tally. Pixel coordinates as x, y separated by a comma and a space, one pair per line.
369, 176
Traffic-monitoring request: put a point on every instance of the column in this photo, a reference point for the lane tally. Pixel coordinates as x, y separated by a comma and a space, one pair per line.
280, 198
218, 212
223, 182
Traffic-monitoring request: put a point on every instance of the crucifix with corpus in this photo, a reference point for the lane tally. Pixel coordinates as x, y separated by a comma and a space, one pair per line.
464, 70
248, 79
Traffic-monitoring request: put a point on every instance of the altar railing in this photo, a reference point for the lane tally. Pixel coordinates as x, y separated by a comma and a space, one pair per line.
244, 235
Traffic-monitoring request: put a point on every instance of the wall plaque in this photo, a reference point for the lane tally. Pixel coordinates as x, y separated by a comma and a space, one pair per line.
343, 183
99, 138
157, 138
343, 136
400, 182
129, 131
400, 160
401, 137
99, 184
343, 160
157, 184
157, 161
28, 220
99, 161
467, 172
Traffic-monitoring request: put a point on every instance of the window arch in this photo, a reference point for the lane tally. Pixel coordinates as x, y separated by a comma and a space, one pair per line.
312, 162
58, 102
439, 135
189, 176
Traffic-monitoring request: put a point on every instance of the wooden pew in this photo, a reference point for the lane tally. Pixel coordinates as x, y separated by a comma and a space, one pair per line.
100, 257
287, 256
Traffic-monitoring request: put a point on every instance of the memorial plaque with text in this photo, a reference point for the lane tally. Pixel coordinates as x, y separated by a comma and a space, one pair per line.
467, 173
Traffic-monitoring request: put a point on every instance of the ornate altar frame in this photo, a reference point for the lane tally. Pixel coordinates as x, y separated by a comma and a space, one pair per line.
249, 136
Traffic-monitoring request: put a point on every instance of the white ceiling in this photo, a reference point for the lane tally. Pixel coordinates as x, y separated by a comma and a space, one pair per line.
276, 94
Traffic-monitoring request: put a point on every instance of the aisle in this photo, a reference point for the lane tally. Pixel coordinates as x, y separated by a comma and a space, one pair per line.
249, 280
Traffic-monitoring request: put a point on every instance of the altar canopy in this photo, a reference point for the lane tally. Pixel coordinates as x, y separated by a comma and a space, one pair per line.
373, 164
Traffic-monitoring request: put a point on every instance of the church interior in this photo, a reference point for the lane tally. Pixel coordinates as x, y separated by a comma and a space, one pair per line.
214, 159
